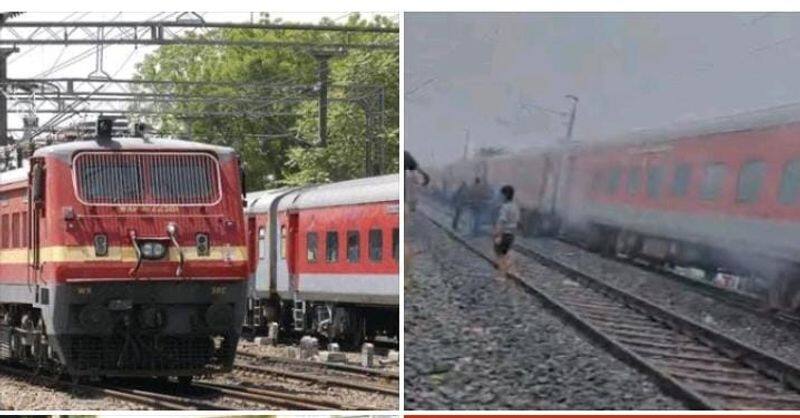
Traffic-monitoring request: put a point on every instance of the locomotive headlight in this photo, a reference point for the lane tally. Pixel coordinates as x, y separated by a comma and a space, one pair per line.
147, 250
203, 247
100, 245
158, 250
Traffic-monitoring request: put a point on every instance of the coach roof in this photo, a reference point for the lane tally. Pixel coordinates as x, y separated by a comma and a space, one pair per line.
67, 149
366, 190
261, 201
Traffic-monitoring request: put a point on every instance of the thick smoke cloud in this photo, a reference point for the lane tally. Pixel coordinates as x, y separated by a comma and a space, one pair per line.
492, 73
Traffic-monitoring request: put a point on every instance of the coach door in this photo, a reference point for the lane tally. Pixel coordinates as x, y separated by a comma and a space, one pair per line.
292, 244
35, 208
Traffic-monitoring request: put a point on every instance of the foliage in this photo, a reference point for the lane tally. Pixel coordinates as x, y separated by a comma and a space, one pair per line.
282, 147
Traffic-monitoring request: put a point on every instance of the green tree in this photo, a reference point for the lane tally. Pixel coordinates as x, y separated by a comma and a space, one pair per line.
282, 148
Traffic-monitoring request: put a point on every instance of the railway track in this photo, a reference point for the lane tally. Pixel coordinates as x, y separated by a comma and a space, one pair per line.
320, 365
701, 367
349, 383
193, 397
747, 301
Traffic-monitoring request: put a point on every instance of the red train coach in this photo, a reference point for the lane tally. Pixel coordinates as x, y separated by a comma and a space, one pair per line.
718, 195
123, 257
328, 258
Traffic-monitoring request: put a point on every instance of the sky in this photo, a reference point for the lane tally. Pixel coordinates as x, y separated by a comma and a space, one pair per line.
503, 77
119, 61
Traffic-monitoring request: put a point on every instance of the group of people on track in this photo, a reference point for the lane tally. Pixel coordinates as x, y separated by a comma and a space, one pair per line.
478, 199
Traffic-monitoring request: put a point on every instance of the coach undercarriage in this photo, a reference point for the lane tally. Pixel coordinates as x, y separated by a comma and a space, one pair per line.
348, 324
776, 282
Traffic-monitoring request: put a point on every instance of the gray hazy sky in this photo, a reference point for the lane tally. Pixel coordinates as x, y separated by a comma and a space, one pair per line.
488, 72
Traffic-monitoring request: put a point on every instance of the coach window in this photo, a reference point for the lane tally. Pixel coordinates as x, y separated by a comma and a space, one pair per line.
654, 175
15, 230
613, 180
790, 182
395, 243
311, 247
283, 241
597, 179
634, 180
24, 233
353, 246
4, 231
713, 179
262, 243
750, 178
375, 244
680, 183
332, 246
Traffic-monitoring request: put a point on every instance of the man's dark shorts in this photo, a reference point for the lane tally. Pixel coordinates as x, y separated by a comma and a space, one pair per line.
504, 244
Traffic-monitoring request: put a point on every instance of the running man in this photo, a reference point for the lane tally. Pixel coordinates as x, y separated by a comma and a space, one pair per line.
504, 229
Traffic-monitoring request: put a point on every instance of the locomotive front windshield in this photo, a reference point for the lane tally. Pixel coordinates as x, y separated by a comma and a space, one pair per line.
146, 178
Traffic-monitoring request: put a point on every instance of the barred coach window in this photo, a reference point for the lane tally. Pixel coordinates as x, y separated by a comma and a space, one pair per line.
332, 246
654, 175
680, 183
750, 178
790, 182
395, 243
634, 180
311, 244
353, 246
375, 244
613, 179
712, 181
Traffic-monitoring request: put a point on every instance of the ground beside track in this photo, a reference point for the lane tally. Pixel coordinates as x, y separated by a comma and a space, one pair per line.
475, 343
34, 394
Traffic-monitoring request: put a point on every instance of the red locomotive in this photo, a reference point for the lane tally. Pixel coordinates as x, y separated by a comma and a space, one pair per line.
123, 257
325, 259
721, 196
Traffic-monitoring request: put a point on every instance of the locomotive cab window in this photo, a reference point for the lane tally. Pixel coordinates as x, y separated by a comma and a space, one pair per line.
395, 243
654, 175
790, 182
375, 244
311, 247
613, 180
332, 246
634, 180
750, 178
680, 183
713, 179
353, 246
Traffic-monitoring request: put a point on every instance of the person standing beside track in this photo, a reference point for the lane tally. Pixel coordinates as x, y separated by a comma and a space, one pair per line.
504, 229
478, 200
458, 200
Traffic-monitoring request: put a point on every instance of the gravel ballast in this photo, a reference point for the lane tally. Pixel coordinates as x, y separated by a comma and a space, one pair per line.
472, 342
